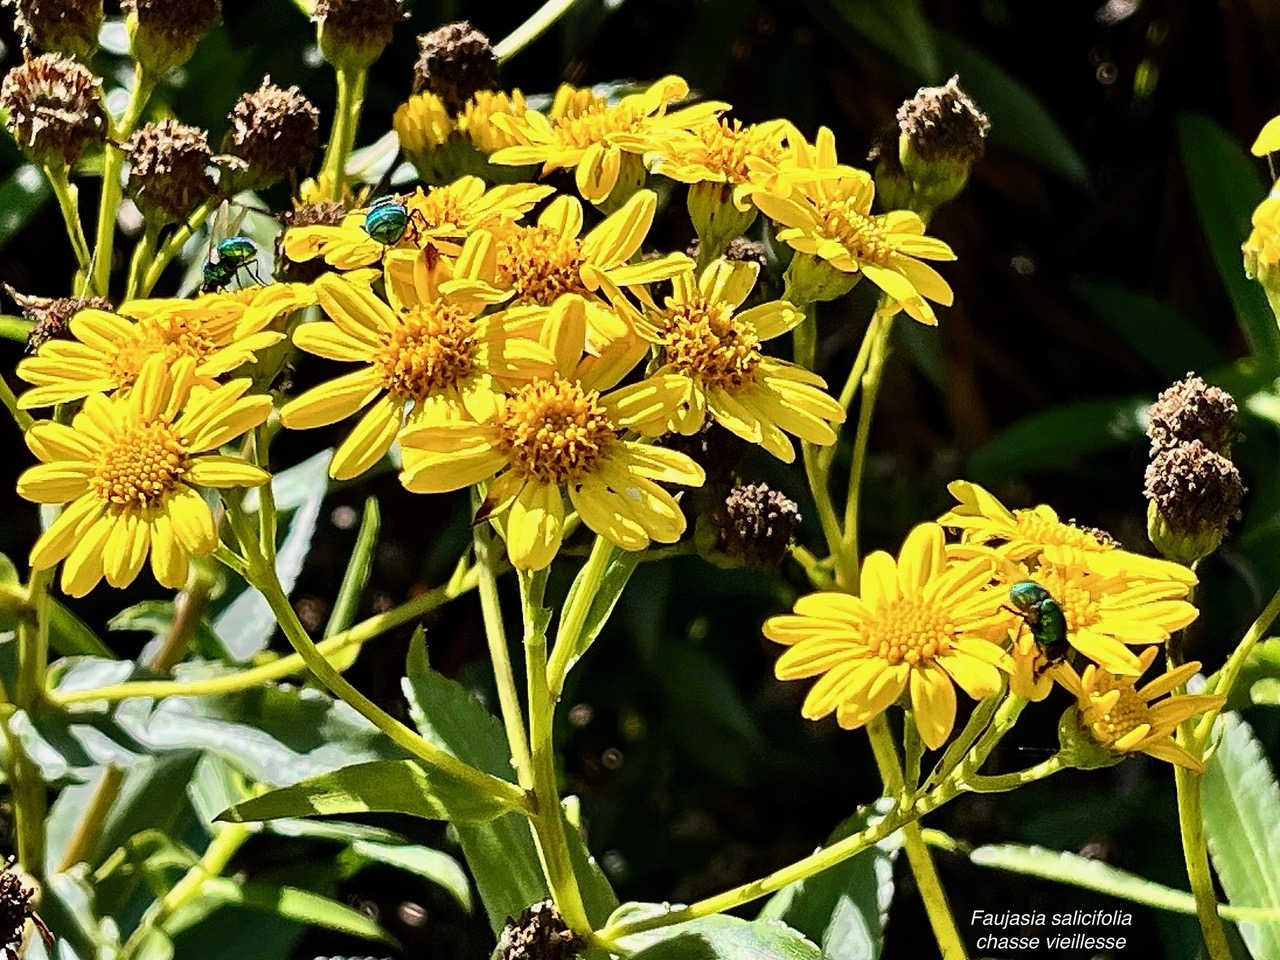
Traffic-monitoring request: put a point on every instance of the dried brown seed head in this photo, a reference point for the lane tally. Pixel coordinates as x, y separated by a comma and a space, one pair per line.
1195, 493
163, 34
756, 524
455, 62
69, 27
55, 108
169, 170
275, 131
538, 934
353, 33
1192, 410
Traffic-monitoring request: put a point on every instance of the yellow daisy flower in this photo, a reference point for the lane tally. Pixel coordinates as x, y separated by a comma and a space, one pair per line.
441, 217
219, 331
1029, 533
128, 467
1104, 613
423, 354
586, 132
1124, 718
476, 119
726, 152
710, 364
533, 266
551, 438
920, 625
825, 211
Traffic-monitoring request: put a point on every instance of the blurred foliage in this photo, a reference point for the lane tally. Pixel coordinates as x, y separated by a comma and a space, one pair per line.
1099, 259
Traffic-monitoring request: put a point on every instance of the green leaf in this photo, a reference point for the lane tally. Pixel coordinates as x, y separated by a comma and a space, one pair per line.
501, 852
898, 27
1171, 342
1226, 189
247, 623
289, 902
1078, 871
1060, 437
383, 786
22, 193
70, 636
434, 865
358, 569
726, 938
1258, 683
1242, 826
155, 617
845, 908
1019, 121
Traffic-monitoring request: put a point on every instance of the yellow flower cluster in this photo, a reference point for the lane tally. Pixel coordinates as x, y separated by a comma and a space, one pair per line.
940, 616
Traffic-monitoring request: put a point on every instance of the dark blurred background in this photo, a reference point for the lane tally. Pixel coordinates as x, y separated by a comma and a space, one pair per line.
1098, 248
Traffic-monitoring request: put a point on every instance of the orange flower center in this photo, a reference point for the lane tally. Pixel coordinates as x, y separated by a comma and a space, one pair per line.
433, 347
554, 431
140, 465
540, 264
861, 235
909, 630
173, 336
1129, 713
728, 146
706, 342
439, 211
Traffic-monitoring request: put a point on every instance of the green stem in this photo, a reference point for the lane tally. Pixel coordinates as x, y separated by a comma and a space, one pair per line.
945, 932
87, 831
289, 666
143, 254
23, 419
574, 618
548, 822
68, 203
1196, 854
1004, 782
351, 84
112, 167
500, 654
523, 35
229, 840
177, 240
878, 335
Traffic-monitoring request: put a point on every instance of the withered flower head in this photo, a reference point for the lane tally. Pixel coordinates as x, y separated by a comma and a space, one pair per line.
756, 524
941, 135
275, 131
324, 214
353, 33
52, 315
59, 26
1194, 494
15, 910
538, 934
1192, 410
169, 169
163, 34
455, 62
55, 108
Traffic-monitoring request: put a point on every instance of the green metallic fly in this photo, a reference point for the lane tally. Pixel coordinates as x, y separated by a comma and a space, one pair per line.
1045, 619
228, 258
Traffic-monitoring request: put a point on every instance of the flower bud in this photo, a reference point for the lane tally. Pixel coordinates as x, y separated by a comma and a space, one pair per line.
163, 34
756, 525
169, 170
276, 132
68, 27
52, 316
431, 142
1194, 494
941, 134
538, 933
1078, 745
54, 107
1262, 249
455, 62
894, 189
1192, 410
353, 33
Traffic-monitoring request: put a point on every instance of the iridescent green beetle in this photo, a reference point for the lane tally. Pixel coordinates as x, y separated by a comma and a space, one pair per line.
386, 220
1045, 620
228, 258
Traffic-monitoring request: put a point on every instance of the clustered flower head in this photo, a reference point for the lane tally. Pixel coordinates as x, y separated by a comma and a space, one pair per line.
68, 27
1194, 489
169, 169
54, 109
275, 132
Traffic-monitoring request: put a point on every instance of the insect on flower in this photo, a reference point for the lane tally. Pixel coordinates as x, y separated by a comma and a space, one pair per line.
1044, 618
228, 258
